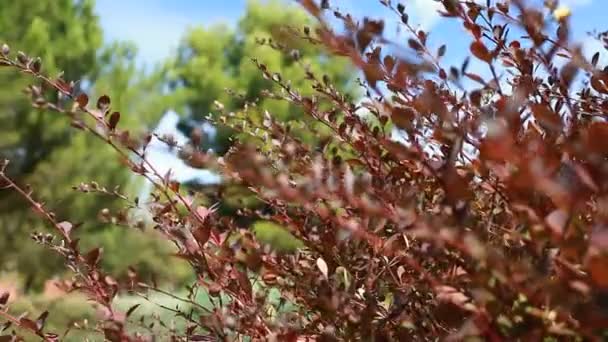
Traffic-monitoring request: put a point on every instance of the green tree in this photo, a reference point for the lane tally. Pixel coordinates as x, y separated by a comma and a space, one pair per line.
63, 33
211, 60
52, 157
30, 136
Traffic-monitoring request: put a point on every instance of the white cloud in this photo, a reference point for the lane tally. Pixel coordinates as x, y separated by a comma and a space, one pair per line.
425, 12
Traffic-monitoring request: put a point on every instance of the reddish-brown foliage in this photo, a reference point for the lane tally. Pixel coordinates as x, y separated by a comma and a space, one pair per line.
500, 234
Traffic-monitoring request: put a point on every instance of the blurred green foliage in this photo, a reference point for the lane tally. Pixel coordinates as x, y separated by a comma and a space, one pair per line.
211, 60
66, 310
63, 312
52, 157
276, 237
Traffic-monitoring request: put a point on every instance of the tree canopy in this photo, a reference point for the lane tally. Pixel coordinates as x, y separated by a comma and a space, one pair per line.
212, 60
47, 154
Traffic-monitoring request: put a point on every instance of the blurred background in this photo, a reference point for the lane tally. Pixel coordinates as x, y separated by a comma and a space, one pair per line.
163, 63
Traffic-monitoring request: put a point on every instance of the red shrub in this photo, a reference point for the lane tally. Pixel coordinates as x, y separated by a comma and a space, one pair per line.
500, 233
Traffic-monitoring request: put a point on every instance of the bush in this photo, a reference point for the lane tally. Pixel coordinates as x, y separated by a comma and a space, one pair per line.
485, 221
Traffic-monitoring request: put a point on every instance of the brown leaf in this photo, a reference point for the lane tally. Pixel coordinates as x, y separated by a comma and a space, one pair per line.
596, 138
311, 7
113, 121
372, 73
403, 117
598, 85
201, 234
389, 63
4, 298
479, 50
475, 97
547, 118
28, 324
112, 334
499, 148
475, 78
414, 44
370, 29
82, 100
457, 187
103, 102
63, 86
598, 270
93, 257
568, 73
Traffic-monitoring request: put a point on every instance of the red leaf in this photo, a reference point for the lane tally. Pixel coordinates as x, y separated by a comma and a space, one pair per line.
202, 234
311, 7
568, 73
103, 102
547, 118
480, 51
28, 324
174, 186
93, 256
403, 117
598, 270
82, 100
63, 86
475, 78
389, 63
596, 137
114, 118
598, 85
414, 44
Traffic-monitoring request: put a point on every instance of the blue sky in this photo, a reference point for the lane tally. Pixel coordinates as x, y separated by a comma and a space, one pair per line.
156, 27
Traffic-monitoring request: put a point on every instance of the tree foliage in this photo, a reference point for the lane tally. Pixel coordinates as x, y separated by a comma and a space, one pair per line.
212, 60
44, 152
